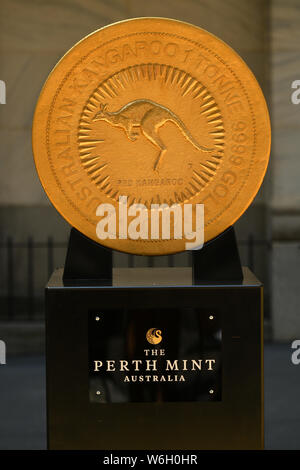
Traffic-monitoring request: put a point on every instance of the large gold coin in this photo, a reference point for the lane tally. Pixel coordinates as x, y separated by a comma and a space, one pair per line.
156, 110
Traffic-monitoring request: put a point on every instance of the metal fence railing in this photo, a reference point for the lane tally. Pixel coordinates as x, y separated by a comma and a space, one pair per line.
26, 266
21, 293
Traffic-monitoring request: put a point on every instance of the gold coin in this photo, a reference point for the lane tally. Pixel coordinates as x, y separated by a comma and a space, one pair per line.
159, 111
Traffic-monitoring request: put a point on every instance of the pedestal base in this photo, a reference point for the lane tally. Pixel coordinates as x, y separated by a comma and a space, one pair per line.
154, 362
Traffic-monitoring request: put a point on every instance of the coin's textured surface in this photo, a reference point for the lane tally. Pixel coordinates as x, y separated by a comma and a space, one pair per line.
156, 110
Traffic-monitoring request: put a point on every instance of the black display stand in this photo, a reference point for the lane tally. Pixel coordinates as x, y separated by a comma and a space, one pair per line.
218, 260
101, 391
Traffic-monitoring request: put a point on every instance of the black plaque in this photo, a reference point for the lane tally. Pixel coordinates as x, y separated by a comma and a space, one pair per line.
184, 365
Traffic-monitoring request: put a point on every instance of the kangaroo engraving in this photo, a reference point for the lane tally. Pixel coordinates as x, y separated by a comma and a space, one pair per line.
149, 116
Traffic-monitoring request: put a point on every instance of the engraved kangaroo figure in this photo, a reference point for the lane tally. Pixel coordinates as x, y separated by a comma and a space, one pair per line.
149, 116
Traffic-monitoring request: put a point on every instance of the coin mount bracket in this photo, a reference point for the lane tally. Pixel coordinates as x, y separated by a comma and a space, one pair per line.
217, 261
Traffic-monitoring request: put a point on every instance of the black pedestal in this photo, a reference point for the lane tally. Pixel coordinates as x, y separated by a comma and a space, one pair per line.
210, 334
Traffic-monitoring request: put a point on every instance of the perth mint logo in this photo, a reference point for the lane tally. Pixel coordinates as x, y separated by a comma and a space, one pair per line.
158, 222
155, 366
154, 336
